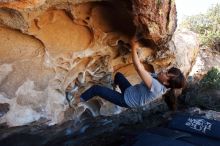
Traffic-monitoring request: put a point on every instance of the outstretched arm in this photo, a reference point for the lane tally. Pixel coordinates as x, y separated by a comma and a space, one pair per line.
145, 75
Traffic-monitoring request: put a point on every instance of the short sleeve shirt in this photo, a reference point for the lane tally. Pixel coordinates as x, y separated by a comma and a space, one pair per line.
140, 95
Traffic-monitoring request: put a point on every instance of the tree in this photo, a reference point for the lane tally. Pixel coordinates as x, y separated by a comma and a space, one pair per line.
207, 25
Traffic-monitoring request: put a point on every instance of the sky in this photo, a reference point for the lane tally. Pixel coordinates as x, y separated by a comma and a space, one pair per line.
193, 7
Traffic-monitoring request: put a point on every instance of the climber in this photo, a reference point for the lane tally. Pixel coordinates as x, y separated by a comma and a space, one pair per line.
152, 86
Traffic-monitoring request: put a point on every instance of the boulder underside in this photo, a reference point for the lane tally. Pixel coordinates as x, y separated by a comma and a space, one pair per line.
48, 46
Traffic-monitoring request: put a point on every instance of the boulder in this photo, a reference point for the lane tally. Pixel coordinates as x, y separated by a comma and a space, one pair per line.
48, 46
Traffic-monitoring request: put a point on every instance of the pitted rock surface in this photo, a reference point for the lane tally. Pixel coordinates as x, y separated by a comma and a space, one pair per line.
48, 46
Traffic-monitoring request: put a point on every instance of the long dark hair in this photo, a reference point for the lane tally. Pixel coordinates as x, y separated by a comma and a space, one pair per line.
170, 99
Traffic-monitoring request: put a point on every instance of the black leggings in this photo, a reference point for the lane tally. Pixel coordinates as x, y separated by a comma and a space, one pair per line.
109, 94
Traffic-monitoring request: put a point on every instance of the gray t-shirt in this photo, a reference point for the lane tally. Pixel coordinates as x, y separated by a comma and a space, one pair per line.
140, 95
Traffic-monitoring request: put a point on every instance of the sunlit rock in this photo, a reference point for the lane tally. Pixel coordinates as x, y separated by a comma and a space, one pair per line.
185, 45
50, 46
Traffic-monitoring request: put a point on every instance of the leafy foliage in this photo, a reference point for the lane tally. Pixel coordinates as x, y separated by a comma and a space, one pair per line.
205, 93
211, 80
206, 25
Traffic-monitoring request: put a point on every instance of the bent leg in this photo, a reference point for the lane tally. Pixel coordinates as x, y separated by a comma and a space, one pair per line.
121, 81
105, 93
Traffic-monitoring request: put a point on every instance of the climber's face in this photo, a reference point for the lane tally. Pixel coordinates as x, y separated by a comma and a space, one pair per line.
164, 77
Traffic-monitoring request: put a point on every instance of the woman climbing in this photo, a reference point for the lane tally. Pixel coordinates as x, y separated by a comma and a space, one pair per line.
152, 85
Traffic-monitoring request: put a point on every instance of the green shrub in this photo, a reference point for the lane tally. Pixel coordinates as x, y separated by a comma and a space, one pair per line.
205, 93
211, 80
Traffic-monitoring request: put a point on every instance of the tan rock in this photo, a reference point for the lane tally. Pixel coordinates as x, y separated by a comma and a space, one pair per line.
49, 46
59, 33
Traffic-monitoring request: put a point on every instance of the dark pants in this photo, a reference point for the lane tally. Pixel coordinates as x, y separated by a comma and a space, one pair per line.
109, 94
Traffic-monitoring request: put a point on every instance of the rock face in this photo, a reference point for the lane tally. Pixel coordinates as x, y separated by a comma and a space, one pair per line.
185, 46
109, 130
204, 93
156, 19
48, 46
